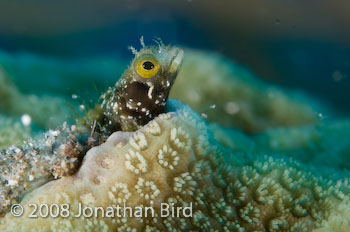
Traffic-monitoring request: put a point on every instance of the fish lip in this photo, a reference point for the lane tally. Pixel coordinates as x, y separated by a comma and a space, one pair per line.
176, 62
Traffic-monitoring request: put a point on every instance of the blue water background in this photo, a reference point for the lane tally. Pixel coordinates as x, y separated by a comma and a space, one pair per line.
307, 50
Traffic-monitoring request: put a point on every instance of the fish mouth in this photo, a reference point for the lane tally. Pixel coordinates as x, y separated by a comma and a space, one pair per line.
176, 62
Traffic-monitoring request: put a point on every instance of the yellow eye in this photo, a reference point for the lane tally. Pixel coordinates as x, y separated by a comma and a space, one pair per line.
147, 67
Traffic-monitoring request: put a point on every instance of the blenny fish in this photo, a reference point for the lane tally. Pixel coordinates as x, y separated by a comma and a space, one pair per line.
138, 96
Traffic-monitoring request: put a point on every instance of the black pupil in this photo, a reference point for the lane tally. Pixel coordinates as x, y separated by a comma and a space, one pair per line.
148, 65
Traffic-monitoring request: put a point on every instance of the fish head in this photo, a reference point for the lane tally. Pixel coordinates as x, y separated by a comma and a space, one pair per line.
157, 66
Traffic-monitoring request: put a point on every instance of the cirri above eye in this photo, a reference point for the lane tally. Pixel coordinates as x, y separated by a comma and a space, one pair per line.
147, 66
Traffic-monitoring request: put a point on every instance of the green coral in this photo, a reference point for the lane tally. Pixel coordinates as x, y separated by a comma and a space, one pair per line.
326, 145
234, 97
46, 111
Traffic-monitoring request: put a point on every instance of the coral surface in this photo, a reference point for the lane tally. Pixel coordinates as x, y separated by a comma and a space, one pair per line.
232, 96
175, 159
326, 145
